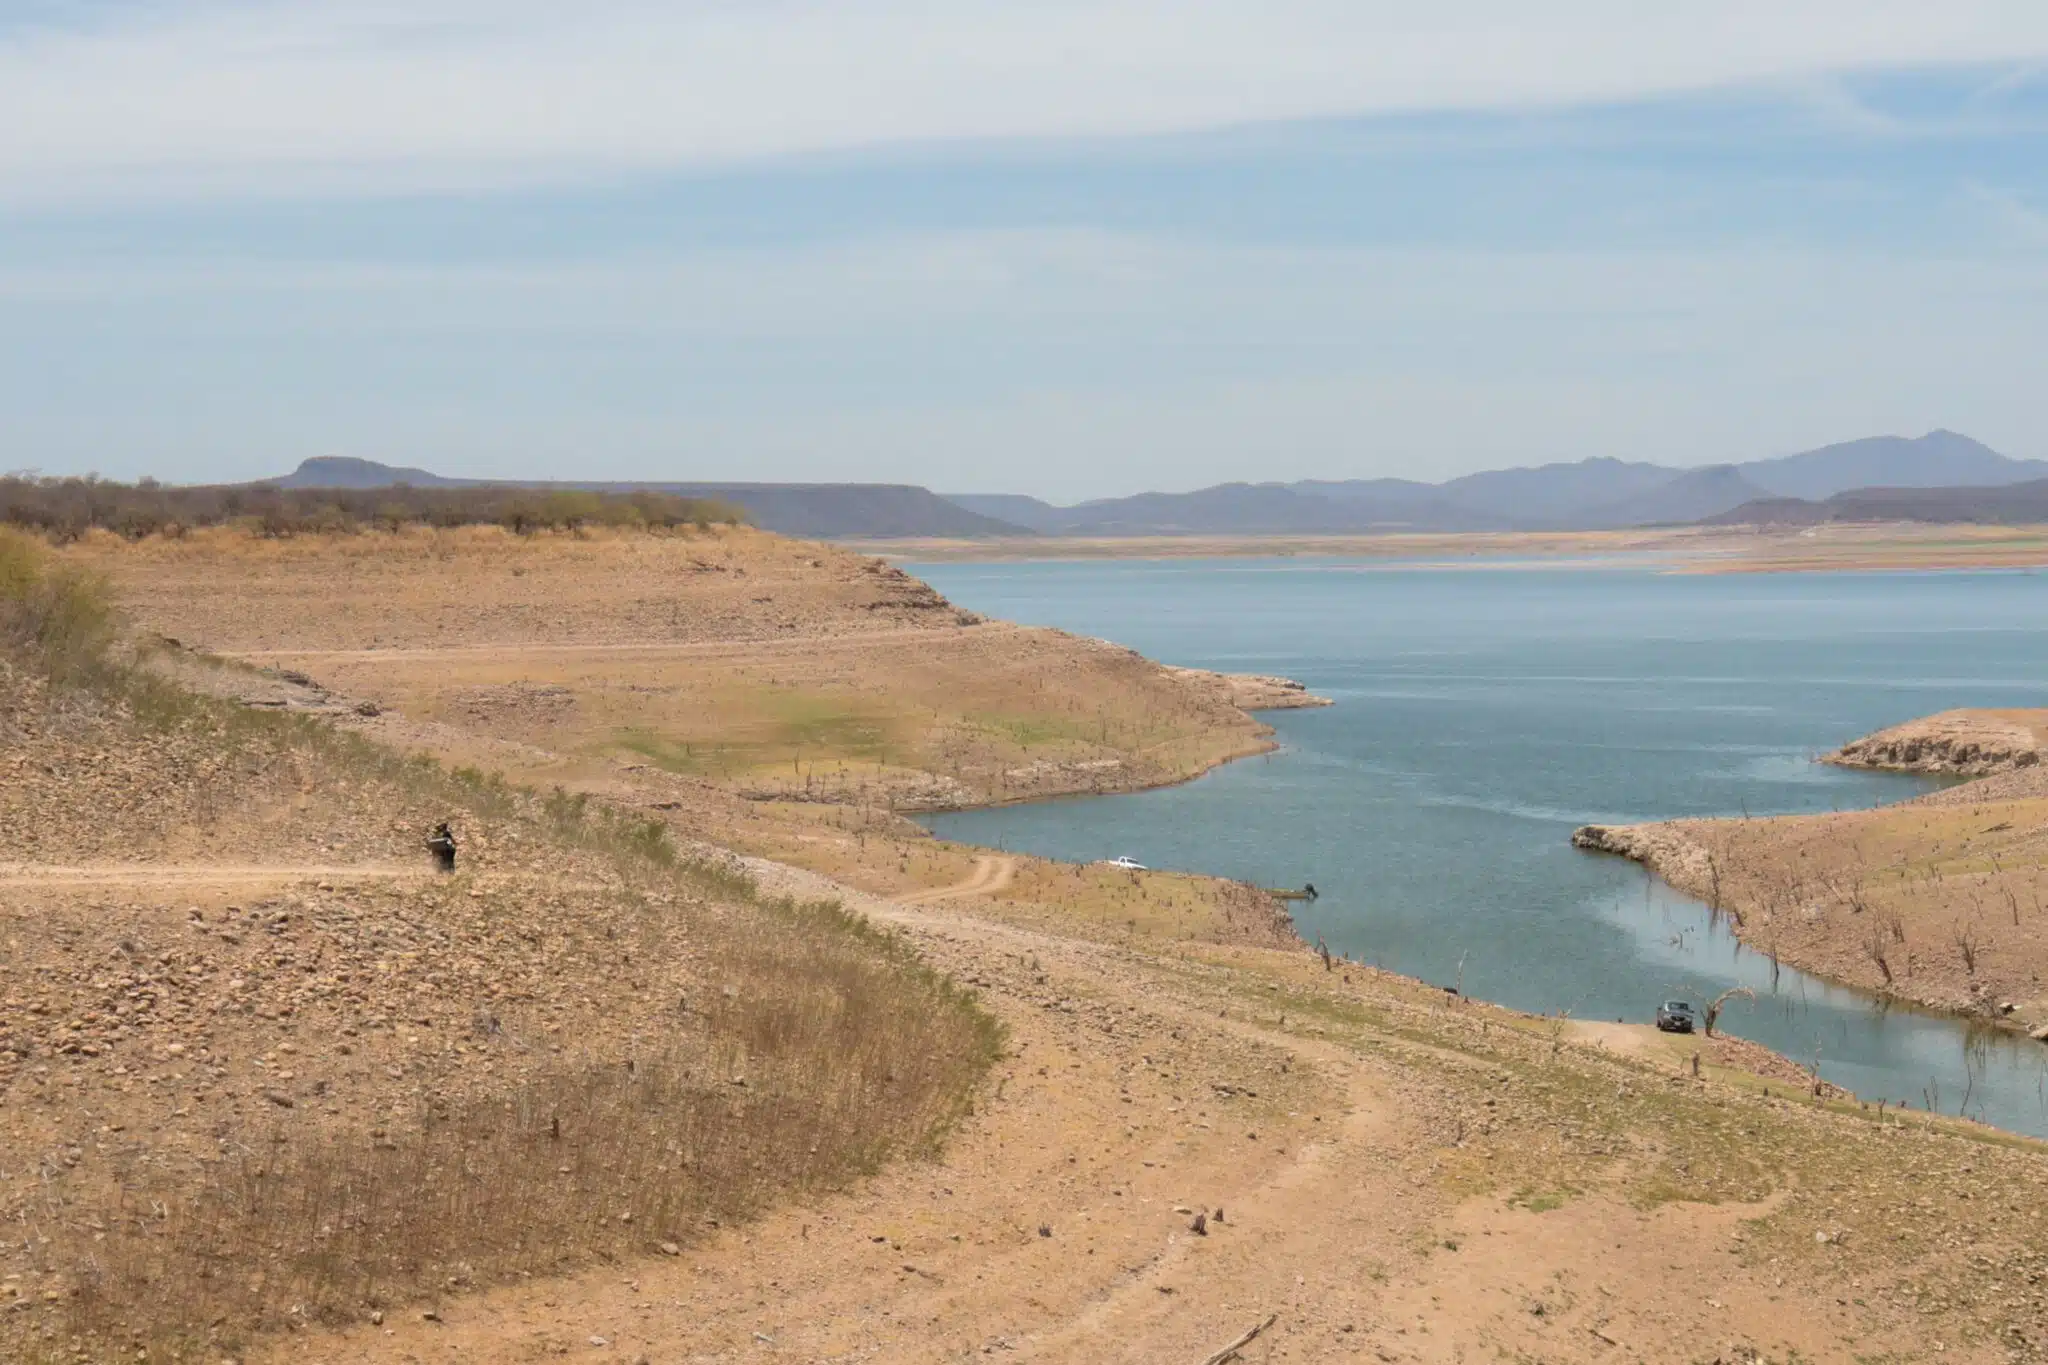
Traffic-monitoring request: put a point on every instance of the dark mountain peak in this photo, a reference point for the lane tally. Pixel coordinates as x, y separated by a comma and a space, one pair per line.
2017, 504
349, 471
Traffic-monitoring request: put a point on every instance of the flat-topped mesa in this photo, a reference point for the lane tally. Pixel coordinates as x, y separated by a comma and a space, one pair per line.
1253, 691
1954, 743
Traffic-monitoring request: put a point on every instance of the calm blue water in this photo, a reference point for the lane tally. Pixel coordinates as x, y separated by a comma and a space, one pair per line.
1484, 712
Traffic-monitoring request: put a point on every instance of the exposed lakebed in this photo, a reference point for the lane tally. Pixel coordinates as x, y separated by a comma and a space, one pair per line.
1484, 711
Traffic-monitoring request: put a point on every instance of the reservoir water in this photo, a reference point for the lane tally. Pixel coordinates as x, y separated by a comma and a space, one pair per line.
1485, 710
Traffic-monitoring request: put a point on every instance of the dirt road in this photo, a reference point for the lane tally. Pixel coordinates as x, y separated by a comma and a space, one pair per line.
1060, 1225
789, 644
991, 874
146, 876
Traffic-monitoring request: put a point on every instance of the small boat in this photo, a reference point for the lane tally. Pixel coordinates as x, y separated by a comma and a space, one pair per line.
1306, 893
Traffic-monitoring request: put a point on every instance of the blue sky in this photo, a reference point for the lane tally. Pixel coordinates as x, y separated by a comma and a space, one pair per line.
1072, 250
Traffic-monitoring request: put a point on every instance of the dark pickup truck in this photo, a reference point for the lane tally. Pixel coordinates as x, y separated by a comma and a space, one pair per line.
1675, 1016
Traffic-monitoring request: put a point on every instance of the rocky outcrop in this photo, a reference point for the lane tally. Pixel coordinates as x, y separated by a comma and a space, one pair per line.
1952, 744
1253, 691
1661, 848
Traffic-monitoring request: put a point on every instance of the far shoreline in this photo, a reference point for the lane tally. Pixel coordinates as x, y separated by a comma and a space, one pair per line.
1840, 547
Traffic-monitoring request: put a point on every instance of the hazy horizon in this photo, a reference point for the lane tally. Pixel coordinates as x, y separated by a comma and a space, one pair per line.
1062, 250
594, 476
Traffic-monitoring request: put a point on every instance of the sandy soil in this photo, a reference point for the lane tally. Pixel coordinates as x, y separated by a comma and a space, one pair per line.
437, 590
1385, 1171
160, 877
767, 668
992, 874
1060, 1225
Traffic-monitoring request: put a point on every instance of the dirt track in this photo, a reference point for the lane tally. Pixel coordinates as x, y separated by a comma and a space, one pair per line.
991, 874
797, 644
144, 876
1059, 1225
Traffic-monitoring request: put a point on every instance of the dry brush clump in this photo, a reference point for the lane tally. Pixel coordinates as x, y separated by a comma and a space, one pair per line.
58, 616
170, 1187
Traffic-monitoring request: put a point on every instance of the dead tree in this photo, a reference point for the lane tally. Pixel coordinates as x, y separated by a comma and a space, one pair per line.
1965, 939
1714, 1009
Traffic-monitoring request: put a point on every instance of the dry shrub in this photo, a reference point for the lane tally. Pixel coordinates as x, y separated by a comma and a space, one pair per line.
57, 614
65, 509
829, 1050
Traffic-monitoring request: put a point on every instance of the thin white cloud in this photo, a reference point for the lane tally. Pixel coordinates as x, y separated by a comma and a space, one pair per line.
296, 95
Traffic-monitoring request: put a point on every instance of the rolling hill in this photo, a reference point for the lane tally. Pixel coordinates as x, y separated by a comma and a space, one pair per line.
1592, 494
2020, 504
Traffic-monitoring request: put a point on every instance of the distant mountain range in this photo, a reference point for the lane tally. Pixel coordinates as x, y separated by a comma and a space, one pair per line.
1937, 477
1591, 494
2015, 504
815, 510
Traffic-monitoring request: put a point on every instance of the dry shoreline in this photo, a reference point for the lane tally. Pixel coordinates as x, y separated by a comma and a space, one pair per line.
1688, 868
1251, 693
1838, 547
501, 687
1407, 1175
1929, 901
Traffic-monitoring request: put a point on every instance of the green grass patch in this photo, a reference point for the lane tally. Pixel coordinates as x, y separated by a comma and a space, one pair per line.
771, 727
1037, 730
